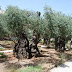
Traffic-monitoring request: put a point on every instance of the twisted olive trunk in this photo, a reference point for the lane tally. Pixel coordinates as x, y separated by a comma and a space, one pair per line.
47, 41
60, 44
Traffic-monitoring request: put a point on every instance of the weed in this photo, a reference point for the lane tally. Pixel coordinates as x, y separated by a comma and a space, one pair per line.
62, 57
2, 55
1, 49
31, 69
41, 41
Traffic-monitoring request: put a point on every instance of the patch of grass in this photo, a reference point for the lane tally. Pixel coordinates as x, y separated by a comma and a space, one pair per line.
67, 47
41, 41
1, 49
62, 57
56, 64
13, 70
68, 56
31, 69
2, 55
52, 41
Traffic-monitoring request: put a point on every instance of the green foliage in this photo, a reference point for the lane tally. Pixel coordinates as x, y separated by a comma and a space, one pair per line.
67, 47
16, 20
52, 41
1, 49
2, 28
56, 24
51, 25
31, 69
2, 55
41, 41
62, 57
49, 17
62, 26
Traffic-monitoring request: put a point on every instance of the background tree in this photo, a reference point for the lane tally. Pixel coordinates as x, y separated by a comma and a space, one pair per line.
55, 24
48, 26
3, 32
16, 20
35, 24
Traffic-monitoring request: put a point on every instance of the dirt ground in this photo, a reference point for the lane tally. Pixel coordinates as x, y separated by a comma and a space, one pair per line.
48, 59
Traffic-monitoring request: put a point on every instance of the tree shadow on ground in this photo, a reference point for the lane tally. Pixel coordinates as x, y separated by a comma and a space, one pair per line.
3, 60
67, 56
18, 65
70, 60
30, 64
43, 51
63, 65
41, 55
12, 65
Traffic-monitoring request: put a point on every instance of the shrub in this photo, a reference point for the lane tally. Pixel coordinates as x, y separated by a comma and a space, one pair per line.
31, 69
2, 55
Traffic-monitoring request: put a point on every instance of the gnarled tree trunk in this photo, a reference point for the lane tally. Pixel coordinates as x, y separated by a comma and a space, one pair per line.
47, 41
34, 42
21, 49
60, 44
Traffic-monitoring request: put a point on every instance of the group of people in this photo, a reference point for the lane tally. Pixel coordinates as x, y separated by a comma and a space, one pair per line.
22, 49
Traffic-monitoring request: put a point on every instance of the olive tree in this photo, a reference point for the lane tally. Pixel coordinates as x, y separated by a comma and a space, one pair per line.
48, 25
16, 20
3, 32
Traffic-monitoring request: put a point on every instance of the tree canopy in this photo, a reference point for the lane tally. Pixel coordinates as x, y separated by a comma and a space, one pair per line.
50, 25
